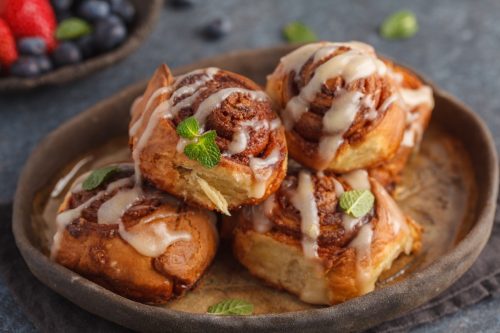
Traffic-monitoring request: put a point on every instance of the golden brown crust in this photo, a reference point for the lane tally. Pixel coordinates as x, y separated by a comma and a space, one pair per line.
233, 179
99, 253
367, 141
337, 274
388, 173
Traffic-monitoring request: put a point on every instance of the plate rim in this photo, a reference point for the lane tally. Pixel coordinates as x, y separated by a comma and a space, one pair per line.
477, 235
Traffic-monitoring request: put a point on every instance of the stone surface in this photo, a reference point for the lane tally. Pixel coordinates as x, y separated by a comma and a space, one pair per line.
457, 47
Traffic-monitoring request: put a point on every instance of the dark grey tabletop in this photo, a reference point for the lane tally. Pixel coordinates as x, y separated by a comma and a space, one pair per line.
457, 47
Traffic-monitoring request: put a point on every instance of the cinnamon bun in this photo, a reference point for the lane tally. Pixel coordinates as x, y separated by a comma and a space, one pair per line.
133, 239
301, 241
248, 132
338, 105
417, 100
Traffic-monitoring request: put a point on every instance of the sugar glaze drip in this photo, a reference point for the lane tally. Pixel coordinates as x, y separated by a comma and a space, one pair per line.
358, 62
148, 238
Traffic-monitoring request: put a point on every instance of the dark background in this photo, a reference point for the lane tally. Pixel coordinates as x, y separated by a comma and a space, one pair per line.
458, 47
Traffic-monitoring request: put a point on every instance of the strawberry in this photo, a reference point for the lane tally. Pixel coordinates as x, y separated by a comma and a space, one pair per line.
31, 18
8, 51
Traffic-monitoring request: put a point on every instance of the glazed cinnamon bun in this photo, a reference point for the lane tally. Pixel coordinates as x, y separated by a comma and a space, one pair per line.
338, 106
417, 100
249, 136
133, 239
301, 240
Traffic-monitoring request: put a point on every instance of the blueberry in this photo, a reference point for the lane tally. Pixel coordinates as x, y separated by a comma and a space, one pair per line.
109, 33
44, 63
32, 46
66, 53
124, 9
25, 67
182, 3
87, 47
216, 29
93, 10
61, 5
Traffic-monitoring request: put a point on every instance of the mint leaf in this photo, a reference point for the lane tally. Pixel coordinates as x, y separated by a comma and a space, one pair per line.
296, 32
73, 28
188, 128
235, 307
97, 177
357, 203
205, 150
400, 25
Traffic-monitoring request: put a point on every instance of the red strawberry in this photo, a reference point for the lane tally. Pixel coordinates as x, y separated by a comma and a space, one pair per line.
8, 51
31, 18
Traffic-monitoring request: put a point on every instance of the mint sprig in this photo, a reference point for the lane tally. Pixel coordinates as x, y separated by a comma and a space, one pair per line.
231, 307
203, 147
357, 203
97, 177
400, 25
297, 32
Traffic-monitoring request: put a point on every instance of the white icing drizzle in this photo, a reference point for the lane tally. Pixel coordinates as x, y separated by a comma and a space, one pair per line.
415, 97
357, 179
411, 98
362, 245
303, 199
151, 239
167, 110
113, 209
68, 216
358, 62
213, 101
147, 237
63, 182
261, 168
241, 137
261, 213
336, 121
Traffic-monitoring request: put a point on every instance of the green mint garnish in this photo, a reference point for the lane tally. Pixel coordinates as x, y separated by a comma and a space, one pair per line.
97, 177
400, 25
203, 147
357, 203
188, 128
231, 307
73, 28
296, 32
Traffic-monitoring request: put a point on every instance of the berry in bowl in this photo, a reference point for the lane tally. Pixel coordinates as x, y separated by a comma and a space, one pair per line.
54, 41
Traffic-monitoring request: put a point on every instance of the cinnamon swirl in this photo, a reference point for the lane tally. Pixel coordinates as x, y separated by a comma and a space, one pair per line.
133, 239
249, 136
301, 241
338, 106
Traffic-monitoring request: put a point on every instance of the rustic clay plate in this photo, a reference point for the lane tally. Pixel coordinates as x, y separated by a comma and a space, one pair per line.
450, 188
147, 14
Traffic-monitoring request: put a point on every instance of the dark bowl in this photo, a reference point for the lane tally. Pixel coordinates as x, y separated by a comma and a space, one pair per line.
147, 14
109, 119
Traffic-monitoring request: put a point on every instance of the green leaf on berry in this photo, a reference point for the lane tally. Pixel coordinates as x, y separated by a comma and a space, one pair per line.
73, 28
231, 307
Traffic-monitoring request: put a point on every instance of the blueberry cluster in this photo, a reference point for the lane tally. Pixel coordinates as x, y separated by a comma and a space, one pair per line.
85, 29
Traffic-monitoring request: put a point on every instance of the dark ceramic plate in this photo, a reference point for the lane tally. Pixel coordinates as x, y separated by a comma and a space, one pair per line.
147, 14
450, 188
